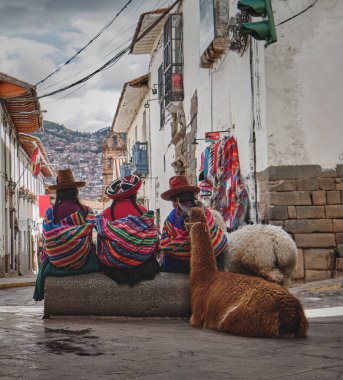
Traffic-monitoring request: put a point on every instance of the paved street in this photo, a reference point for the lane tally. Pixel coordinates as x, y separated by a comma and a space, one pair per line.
122, 348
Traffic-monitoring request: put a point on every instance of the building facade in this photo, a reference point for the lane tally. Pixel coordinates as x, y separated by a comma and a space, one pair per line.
272, 103
19, 189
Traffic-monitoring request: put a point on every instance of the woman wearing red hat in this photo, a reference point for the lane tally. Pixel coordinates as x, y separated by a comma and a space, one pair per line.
123, 192
127, 235
175, 240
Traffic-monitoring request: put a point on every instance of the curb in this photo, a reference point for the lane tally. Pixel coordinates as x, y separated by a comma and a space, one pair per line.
16, 284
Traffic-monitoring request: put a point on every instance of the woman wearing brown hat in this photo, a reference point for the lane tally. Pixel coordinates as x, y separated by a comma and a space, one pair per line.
67, 201
175, 240
67, 234
127, 234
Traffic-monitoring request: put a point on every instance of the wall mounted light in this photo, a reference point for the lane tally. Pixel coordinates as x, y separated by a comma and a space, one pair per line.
154, 89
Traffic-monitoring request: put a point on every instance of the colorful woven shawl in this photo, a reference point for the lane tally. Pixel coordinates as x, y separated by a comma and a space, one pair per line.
176, 242
68, 242
126, 242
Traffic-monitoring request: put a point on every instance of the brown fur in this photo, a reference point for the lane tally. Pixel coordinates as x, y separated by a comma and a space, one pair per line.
235, 303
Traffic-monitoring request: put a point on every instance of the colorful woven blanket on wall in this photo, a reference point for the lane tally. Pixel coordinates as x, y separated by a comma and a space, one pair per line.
126, 242
67, 243
176, 242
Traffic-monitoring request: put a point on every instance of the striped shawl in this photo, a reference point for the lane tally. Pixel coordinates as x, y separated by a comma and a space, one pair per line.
126, 242
176, 242
68, 242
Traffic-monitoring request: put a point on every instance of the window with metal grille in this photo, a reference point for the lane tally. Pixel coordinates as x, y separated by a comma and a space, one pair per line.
140, 157
173, 59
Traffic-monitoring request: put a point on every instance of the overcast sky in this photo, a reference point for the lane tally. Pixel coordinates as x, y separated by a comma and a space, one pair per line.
37, 36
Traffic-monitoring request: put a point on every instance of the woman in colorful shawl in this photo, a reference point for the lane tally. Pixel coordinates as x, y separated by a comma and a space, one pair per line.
175, 240
127, 235
67, 234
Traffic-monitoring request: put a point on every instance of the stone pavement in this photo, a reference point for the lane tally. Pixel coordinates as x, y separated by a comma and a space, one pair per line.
138, 348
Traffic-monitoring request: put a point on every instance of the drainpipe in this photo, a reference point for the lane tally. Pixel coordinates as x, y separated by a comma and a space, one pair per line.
252, 140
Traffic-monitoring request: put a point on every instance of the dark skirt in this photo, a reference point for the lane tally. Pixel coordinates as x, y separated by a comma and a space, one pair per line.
131, 276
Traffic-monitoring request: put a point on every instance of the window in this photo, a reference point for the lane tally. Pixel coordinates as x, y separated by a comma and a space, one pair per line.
140, 157
161, 96
173, 59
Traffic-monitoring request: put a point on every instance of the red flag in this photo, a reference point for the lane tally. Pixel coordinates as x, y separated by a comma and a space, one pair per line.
36, 164
43, 204
35, 155
36, 169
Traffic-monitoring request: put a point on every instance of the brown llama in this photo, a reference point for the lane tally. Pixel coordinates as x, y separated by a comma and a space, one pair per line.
235, 303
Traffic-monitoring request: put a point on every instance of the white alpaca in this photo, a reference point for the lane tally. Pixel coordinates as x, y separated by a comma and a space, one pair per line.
262, 250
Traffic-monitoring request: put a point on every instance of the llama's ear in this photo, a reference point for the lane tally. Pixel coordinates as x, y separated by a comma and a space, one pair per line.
185, 209
199, 204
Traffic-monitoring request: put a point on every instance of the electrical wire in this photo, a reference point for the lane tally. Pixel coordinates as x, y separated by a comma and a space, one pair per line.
100, 54
111, 62
87, 44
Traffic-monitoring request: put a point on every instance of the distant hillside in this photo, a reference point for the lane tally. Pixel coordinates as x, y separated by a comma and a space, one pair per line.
61, 132
81, 151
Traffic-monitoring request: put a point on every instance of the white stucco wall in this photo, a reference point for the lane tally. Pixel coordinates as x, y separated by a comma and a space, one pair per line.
304, 85
224, 95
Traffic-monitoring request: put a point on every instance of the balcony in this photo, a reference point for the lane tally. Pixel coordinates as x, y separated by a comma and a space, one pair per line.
140, 160
173, 85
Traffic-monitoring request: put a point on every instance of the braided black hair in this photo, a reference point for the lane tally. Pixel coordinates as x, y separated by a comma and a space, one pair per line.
70, 194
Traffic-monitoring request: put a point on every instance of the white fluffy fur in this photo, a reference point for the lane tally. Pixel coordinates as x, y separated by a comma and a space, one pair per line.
263, 250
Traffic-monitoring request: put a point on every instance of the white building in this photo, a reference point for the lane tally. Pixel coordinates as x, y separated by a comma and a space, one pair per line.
281, 104
19, 190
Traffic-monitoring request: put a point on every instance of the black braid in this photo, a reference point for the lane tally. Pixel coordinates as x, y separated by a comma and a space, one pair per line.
112, 209
68, 194
135, 205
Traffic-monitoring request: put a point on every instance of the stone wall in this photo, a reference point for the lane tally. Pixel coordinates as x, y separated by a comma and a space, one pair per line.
307, 201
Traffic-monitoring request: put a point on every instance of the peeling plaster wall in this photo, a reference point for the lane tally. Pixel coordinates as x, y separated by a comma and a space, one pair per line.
304, 85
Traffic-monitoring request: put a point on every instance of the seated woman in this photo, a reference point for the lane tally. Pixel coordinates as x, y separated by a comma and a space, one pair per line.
67, 234
175, 240
127, 236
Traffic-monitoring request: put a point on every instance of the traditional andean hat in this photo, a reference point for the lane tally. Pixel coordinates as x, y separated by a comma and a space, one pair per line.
124, 187
65, 180
178, 185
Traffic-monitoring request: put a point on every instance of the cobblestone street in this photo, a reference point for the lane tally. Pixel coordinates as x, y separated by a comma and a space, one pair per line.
123, 348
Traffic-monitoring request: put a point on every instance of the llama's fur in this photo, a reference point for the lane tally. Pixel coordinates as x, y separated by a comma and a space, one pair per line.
235, 303
261, 250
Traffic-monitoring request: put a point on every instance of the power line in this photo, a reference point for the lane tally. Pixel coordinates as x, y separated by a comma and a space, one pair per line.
111, 62
88, 43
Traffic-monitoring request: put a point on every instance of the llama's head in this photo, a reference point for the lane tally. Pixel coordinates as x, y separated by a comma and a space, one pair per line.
197, 215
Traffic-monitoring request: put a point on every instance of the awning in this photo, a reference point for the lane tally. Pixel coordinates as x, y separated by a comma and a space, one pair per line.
23, 108
146, 44
130, 100
29, 144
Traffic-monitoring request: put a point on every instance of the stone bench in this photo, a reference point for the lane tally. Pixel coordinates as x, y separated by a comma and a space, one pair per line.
167, 295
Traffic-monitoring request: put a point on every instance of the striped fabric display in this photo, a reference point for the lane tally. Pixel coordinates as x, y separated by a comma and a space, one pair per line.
126, 242
176, 242
67, 243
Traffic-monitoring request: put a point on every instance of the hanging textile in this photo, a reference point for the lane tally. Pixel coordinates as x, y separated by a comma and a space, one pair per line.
229, 195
